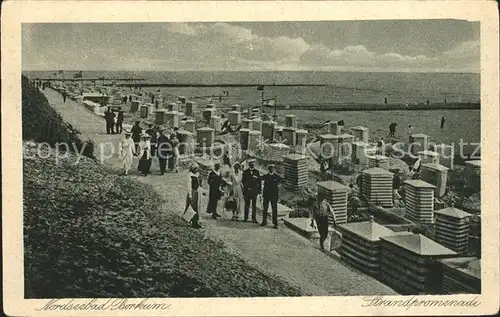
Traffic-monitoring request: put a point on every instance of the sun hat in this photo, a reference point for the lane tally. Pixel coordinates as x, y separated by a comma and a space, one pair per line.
128, 132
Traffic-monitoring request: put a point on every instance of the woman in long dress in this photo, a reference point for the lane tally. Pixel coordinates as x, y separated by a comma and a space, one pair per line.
194, 192
236, 180
127, 152
144, 154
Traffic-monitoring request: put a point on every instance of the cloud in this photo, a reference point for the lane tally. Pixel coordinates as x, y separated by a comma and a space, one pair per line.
218, 46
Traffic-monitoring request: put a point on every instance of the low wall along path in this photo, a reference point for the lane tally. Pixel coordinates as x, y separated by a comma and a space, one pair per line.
281, 252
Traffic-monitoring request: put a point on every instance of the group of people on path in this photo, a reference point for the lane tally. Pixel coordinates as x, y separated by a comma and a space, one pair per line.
114, 122
153, 142
242, 188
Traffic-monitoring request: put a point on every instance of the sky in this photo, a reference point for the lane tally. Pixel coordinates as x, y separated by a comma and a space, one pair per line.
369, 46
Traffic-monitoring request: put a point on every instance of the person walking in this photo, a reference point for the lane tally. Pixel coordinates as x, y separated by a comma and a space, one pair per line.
319, 214
174, 141
225, 159
136, 135
152, 132
119, 121
270, 195
64, 96
127, 152
236, 180
194, 190
109, 116
251, 189
443, 120
145, 154
164, 150
214, 194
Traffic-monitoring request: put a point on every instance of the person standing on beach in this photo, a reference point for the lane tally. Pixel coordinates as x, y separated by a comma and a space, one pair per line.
109, 116
270, 195
443, 120
154, 138
319, 214
174, 141
127, 152
136, 135
144, 154
214, 194
164, 150
64, 96
251, 188
119, 121
194, 190
236, 180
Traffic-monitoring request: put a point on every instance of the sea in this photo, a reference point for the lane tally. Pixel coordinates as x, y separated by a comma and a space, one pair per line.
335, 88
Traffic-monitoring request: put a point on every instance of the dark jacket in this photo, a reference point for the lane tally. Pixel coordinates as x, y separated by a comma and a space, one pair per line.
164, 146
120, 117
271, 182
136, 133
214, 182
251, 182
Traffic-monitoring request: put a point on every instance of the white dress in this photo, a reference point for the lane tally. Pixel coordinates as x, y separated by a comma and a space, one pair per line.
127, 153
236, 179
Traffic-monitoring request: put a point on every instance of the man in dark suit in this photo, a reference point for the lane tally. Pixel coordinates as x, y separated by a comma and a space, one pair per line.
251, 188
164, 151
214, 194
270, 195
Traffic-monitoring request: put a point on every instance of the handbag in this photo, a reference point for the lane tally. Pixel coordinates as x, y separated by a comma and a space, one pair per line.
188, 212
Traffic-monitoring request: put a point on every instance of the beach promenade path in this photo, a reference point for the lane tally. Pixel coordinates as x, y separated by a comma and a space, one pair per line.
281, 252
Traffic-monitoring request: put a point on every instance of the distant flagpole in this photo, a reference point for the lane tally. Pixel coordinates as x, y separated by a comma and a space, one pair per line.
81, 81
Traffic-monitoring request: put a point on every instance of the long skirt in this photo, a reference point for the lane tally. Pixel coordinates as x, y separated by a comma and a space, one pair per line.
144, 164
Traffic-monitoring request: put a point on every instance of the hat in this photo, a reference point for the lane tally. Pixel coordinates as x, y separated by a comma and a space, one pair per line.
145, 135
251, 160
271, 165
128, 132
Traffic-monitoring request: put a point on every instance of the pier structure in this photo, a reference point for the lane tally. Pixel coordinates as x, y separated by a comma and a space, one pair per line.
236, 108
361, 133
409, 263
437, 175
461, 275
295, 171
377, 186
144, 113
452, 228
361, 244
419, 201
336, 195
345, 144
134, 106
268, 130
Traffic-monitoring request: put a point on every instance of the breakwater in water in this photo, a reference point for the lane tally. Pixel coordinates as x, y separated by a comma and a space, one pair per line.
381, 107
